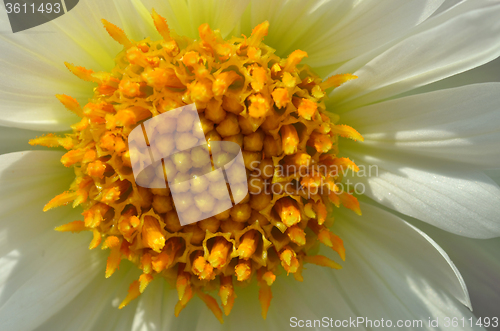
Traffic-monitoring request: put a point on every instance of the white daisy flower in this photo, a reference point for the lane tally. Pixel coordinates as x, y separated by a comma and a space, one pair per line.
432, 147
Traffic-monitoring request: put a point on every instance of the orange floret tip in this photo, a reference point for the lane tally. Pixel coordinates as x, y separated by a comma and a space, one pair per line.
349, 201
72, 157
345, 162
297, 235
223, 81
346, 131
265, 296
81, 72
70, 103
144, 281
289, 260
322, 261
203, 269
61, 200
258, 34
96, 169
293, 59
259, 106
337, 80
181, 304
211, 304
114, 257
182, 283
321, 210
111, 242
51, 140
94, 215
161, 25
243, 270
116, 33
96, 239
220, 250
152, 235
133, 293
289, 139
281, 97
269, 277
248, 244
321, 142
307, 108
226, 293
75, 226
259, 77
288, 211
207, 35
162, 261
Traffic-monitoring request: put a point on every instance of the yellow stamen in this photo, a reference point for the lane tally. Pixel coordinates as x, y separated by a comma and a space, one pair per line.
96, 239
75, 226
226, 293
349, 201
70, 104
337, 80
288, 211
306, 108
322, 261
161, 25
294, 59
114, 257
297, 235
152, 236
81, 72
329, 239
144, 281
243, 270
259, 106
258, 34
248, 244
347, 132
290, 139
289, 260
220, 250
133, 292
116, 33
265, 296
281, 97
211, 304
223, 81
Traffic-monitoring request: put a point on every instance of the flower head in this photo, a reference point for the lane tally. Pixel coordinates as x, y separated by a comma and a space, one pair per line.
288, 94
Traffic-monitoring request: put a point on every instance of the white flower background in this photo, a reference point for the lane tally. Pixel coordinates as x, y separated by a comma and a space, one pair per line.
431, 125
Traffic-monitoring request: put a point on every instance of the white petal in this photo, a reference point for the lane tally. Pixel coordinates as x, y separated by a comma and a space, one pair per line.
479, 263
28, 181
440, 47
460, 125
440, 193
96, 307
365, 26
32, 67
494, 174
15, 140
184, 17
488, 72
397, 266
41, 270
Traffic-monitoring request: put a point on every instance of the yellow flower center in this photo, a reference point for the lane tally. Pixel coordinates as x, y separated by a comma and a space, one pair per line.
272, 108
